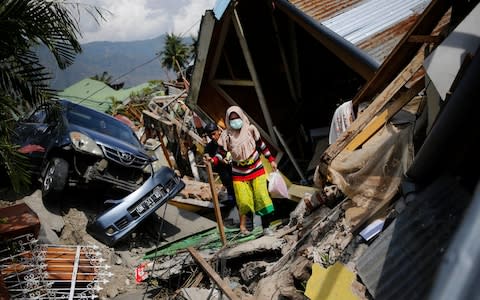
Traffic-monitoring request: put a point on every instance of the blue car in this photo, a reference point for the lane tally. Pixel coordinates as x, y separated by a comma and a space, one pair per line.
72, 145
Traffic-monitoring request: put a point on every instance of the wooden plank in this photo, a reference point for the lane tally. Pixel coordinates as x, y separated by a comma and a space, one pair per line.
283, 55
403, 53
428, 39
18, 220
377, 105
297, 192
290, 154
205, 37
180, 125
378, 121
216, 205
225, 26
155, 117
212, 274
234, 82
294, 50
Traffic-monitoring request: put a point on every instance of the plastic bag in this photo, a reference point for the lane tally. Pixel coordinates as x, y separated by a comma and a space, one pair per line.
277, 186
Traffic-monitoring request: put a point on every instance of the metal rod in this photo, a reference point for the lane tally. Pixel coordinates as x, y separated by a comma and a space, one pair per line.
53, 246
74, 274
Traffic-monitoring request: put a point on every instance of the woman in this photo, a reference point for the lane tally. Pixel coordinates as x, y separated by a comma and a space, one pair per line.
244, 142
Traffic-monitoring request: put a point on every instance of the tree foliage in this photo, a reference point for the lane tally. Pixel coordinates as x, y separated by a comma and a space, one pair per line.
105, 77
25, 24
176, 53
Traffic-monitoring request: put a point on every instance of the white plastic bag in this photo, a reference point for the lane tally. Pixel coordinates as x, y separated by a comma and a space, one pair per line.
277, 186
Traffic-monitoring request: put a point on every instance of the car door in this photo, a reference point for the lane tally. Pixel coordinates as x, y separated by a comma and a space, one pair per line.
35, 133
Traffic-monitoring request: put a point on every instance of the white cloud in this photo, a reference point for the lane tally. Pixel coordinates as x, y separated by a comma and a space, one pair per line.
141, 19
188, 20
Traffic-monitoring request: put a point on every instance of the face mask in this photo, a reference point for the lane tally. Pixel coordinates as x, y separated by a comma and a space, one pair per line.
236, 123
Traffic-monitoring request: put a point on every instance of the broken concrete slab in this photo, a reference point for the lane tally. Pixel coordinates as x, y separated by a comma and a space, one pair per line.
47, 218
262, 244
199, 294
47, 235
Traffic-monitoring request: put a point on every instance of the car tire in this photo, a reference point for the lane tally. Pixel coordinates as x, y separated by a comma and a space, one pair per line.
54, 179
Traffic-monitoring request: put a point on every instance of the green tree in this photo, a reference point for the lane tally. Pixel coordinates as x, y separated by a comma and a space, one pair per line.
175, 54
194, 47
24, 25
116, 107
105, 77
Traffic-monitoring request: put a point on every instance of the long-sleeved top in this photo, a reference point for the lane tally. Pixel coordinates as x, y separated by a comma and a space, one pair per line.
250, 168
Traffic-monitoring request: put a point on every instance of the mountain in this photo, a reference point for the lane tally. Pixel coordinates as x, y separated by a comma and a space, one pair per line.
136, 59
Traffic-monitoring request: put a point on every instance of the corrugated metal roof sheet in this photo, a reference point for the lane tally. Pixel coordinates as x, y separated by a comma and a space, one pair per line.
375, 26
96, 94
322, 10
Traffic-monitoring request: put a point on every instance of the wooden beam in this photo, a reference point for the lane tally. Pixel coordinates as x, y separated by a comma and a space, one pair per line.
180, 125
229, 65
290, 155
234, 82
377, 105
212, 274
428, 39
403, 53
220, 44
382, 118
283, 55
294, 49
216, 205
205, 37
253, 73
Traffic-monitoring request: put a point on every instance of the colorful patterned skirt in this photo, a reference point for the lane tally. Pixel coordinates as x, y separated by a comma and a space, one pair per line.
252, 196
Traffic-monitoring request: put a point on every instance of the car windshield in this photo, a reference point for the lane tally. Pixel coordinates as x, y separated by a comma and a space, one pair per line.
83, 117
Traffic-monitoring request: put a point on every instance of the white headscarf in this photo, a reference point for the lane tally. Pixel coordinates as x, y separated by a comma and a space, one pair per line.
239, 142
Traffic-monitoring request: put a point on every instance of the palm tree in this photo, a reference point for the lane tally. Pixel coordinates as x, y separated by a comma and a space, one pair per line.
194, 47
175, 54
25, 24
105, 77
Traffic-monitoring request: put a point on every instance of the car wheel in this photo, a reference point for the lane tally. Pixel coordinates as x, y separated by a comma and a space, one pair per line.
55, 178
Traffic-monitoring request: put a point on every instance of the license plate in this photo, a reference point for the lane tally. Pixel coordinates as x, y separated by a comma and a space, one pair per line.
150, 201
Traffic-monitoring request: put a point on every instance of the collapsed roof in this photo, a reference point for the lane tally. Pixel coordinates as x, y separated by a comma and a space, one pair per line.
290, 64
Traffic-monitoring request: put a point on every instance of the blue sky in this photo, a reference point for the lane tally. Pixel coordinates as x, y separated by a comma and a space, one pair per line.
143, 19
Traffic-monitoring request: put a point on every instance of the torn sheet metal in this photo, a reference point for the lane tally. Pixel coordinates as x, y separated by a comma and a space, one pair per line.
443, 64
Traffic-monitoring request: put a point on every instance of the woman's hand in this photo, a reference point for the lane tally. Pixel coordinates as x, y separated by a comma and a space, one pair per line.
274, 166
207, 158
